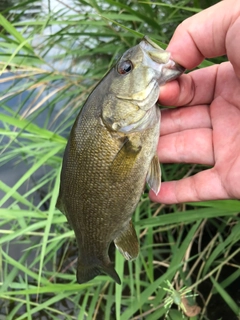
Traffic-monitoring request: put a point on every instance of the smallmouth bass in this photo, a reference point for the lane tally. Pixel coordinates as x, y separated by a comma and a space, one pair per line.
111, 154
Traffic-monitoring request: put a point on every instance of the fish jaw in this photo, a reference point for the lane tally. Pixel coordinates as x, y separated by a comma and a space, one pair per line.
160, 60
151, 117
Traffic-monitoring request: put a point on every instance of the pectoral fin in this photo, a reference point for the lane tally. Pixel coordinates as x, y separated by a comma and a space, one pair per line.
127, 242
125, 159
154, 175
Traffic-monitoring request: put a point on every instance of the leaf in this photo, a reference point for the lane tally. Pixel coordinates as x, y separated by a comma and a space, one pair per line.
226, 297
10, 29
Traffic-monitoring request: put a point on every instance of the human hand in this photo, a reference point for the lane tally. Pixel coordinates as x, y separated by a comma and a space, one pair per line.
206, 127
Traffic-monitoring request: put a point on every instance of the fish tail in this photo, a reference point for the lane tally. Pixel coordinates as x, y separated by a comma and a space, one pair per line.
109, 269
86, 273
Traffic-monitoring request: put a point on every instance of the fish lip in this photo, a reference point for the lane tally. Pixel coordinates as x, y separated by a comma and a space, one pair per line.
161, 59
154, 52
176, 67
171, 71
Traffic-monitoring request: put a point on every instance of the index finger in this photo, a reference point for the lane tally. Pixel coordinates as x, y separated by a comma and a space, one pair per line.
210, 33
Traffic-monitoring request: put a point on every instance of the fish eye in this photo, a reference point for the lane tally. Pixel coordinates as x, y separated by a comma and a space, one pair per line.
124, 67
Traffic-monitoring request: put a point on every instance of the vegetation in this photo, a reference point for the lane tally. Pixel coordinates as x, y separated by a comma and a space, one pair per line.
50, 59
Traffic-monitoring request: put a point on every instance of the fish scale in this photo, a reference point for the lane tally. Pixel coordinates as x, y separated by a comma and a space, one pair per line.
111, 153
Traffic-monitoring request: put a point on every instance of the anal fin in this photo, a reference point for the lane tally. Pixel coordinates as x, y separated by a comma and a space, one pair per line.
127, 242
154, 175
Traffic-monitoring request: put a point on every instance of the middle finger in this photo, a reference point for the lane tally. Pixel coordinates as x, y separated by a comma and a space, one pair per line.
188, 146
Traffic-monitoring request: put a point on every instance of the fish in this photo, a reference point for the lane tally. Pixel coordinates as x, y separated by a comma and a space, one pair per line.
111, 154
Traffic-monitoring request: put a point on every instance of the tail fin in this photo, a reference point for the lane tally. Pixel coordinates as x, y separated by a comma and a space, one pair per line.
88, 272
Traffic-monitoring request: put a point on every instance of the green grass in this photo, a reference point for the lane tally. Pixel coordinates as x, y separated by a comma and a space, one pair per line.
49, 63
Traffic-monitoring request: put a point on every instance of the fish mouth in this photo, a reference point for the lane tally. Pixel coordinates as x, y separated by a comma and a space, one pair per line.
156, 53
160, 60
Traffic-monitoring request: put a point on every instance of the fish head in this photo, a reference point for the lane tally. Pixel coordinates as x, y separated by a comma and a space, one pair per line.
135, 86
